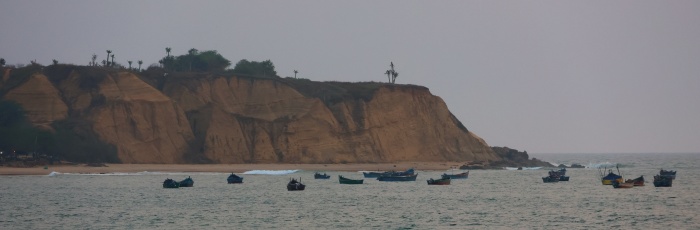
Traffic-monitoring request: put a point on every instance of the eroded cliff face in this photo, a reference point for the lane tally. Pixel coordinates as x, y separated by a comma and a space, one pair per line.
240, 120
210, 119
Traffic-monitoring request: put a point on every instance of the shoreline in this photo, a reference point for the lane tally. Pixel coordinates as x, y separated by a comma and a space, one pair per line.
224, 168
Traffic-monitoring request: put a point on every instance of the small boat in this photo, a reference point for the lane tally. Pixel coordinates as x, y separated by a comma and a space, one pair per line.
561, 173
549, 179
295, 185
608, 179
170, 183
617, 184
410, 171
662, 181
463, 175
563, 178
321, 176
639, 181
344, 180
234, 179
443, 181
397, 178
668, 173
188, 182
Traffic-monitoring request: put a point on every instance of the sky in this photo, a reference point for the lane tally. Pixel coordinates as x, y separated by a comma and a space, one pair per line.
541, 76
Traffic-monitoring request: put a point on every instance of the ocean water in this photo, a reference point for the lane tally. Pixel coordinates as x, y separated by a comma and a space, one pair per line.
489, 199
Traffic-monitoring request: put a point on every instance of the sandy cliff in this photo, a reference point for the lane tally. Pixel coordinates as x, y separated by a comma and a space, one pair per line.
213, 119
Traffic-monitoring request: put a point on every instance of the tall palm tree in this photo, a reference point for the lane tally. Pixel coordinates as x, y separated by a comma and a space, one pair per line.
394, 75
129, 64
108, 52
295, 74
167, 50
2, 62
112, 60
94, 57
140, 62
388, 75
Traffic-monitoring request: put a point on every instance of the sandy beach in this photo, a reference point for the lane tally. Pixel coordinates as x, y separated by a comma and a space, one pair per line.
224, 168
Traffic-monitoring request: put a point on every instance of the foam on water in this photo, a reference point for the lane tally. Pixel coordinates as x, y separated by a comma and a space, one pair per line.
270, 172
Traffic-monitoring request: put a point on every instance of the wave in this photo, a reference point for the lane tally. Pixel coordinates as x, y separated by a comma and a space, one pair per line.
270, 172
144, 173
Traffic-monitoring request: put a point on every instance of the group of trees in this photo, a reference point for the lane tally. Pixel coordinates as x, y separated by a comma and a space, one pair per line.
195, 61
392, 74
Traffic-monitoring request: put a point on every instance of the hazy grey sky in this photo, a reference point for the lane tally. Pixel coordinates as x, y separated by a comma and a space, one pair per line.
541, 76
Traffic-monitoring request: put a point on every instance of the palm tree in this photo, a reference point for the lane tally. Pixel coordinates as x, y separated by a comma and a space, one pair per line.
388, 75
394, 75
167, 50
2, 62
129, 64
191, 53
94, 57
112, 64
295, 74
108, 52
140, 62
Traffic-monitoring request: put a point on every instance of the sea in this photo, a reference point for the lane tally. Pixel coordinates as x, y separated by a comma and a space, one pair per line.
488, 199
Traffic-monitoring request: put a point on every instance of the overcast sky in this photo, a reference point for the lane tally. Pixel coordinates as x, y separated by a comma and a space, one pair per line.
542, 76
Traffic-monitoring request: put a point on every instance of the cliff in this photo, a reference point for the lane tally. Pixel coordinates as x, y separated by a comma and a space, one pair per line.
201, 118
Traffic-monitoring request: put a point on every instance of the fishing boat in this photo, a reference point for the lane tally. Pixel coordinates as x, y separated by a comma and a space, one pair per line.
410, 171
321, 176
295, 185
639, 181
610, 177
561, 173
397, 178
344, 180
617, 184
234, 179
463, 175
443, 181
668, 173
662, 181
170, 183
187, 182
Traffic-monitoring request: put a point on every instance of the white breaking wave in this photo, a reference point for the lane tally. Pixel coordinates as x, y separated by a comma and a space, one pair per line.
54, 173
271, 172
601, 165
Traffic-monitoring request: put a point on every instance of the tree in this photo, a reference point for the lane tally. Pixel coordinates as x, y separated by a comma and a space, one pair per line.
388, 75
2, 62
167, 51
55, 62
140, 62
392, 74
112, 64
295, 74
129, 64
191, 54
108, 52
264, 68
94, 57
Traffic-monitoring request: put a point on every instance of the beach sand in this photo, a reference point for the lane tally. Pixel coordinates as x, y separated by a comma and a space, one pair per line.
224, 168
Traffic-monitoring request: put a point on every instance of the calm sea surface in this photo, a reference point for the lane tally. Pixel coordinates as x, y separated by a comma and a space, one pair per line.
489, 199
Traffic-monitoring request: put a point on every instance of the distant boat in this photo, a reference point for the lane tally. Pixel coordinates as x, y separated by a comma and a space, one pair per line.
295, 185
170, 183
344, 180
608, 179
234, 179
561, 173
668, 173
639, 181
443, 181
397, 178
549, 179
463, 175
187, 182
321, 176
410, 171
662, 181
617, 184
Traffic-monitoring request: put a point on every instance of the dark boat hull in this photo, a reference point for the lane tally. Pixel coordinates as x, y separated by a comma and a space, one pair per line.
662, 181
321, 176
170, 183
398, 178
187, 182
443, 181
234, 179
550, 179
343, 180
295, 185
463, 175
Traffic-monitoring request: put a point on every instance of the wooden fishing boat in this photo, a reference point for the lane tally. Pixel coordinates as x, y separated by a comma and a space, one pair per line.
397, 178
561, 173
549, 179
295, 185
170, 183
668, 173
321, 176
344, 180
639, 181
662, 181
410, 171
463, 175
443, 181
617, 184
611, 177
187, 182
234, 179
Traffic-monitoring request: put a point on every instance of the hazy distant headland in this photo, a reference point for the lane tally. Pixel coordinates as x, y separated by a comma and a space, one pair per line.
193, 108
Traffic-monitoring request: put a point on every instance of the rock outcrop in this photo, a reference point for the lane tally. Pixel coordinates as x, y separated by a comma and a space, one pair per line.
228, 119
